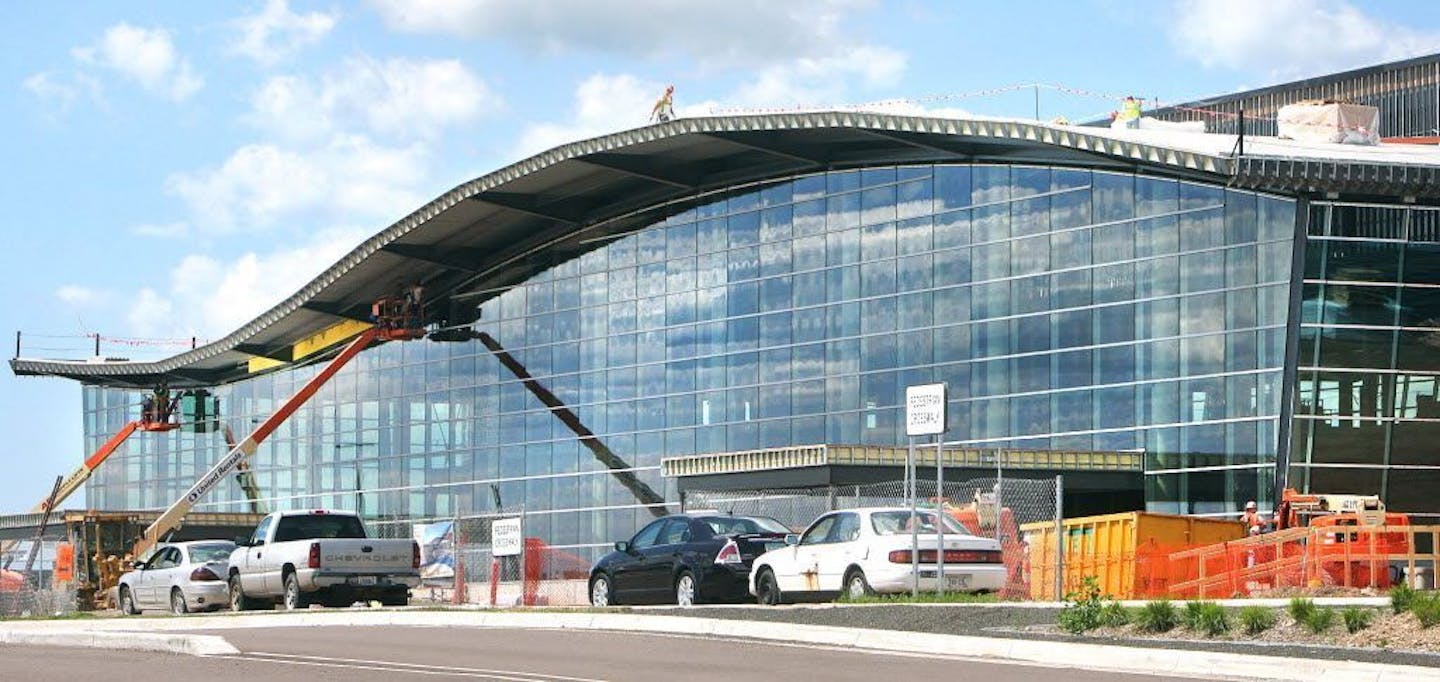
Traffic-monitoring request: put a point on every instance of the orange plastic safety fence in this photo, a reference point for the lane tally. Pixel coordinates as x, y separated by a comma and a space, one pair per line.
1348, 556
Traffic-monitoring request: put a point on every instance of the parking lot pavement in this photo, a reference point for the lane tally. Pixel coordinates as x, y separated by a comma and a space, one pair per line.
316, 654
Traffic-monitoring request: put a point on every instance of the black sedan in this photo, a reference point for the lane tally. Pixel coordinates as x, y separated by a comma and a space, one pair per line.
685, 559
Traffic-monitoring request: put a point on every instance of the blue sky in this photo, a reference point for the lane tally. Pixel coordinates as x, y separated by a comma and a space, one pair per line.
173, 168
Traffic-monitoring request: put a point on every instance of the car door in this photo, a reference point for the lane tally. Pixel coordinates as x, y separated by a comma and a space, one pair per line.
842, 547
659, 560
139, 584
252, 573
626, 574
155, 579
800, 572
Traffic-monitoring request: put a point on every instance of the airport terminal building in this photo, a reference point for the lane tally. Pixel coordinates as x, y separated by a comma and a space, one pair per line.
1223, 323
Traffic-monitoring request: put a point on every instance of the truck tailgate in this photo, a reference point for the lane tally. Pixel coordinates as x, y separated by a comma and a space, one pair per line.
367, 556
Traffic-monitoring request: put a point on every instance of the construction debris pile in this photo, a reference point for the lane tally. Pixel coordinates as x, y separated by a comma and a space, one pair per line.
1329, 121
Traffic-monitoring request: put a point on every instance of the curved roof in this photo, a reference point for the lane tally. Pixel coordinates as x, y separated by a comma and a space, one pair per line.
502, 228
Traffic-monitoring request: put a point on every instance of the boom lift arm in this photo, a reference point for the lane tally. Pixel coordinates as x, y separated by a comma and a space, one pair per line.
82, 473
395, 321
243, 475
155, 416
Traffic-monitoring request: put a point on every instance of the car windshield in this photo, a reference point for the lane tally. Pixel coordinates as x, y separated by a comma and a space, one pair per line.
318, 526
200, 554
898, 521
734, 525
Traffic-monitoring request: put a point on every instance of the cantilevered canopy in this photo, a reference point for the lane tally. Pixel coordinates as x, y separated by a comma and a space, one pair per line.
502, 228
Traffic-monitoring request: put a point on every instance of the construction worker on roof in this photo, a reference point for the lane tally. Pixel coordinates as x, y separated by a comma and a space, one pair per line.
1130, 112
664, 109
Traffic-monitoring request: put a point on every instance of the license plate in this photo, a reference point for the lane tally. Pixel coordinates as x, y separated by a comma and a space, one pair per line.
364, 580
957, 582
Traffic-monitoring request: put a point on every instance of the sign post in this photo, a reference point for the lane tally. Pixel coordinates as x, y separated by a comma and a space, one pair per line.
925, 416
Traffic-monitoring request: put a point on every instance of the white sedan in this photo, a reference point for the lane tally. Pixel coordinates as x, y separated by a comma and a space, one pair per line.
181, 577
868, 551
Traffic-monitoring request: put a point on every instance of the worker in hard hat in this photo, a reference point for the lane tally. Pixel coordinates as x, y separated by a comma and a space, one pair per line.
1252, 519
664, 109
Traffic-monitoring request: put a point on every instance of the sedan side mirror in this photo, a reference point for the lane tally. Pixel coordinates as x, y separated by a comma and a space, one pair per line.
622, 547
792, 539
137, 565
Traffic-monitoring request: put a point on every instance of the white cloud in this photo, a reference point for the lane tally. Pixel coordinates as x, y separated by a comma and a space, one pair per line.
606, 103
1291, 38
823, 81
77, 295
262, 186
401, 98
219, 295
152, 315
146, 56
61, 92
603, 104
276, 32
50, 89
737, 32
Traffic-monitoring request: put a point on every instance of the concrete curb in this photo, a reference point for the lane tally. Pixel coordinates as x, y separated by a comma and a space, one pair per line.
1227, 603
170, 643
1105, 657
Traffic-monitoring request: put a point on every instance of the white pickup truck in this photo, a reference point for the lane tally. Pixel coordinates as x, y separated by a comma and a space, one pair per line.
323, 557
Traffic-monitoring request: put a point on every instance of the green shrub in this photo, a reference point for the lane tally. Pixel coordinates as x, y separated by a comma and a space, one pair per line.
1113, 615
1320, 620
1400, 597
1301, 609
1426, 608
1082, 609
1356, 618
1256, 619
1157, 616
1206, 618
1191, 615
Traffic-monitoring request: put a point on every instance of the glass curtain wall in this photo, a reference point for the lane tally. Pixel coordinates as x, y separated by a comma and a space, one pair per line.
1366, 414
1064, 308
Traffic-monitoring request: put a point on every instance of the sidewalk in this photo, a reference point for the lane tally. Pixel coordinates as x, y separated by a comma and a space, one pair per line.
156, 634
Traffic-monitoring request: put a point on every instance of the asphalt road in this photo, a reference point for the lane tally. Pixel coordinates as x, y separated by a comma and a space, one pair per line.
366, 654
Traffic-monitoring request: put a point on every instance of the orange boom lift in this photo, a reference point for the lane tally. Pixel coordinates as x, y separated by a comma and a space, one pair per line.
396, 319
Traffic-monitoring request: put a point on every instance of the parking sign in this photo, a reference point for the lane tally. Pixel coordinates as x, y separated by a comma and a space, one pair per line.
925, 410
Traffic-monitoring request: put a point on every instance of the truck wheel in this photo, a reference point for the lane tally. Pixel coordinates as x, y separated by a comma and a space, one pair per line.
238, 600
295, 600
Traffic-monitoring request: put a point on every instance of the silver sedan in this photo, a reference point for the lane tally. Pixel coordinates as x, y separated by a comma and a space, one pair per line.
181, 577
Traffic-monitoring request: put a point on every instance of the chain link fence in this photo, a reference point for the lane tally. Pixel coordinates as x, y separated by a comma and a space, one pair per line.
973, 503
458, 565
31, 593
